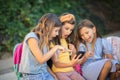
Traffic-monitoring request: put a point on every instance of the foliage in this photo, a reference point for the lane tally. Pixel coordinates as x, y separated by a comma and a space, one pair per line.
19, 16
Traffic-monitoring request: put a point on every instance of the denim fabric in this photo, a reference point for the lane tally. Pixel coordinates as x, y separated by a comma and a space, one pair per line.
29, 65
41, 76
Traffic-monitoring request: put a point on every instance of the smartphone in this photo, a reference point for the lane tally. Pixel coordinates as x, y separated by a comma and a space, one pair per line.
80, 52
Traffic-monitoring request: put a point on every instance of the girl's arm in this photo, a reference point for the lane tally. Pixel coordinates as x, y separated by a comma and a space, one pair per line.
73, 49
85, 57
33, 45
59, 64
110, 56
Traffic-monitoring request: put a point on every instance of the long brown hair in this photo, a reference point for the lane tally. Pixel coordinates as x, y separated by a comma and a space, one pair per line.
68, 18
84, 23
45, 26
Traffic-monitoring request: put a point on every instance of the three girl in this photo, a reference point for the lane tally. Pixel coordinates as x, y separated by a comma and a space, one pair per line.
41, 44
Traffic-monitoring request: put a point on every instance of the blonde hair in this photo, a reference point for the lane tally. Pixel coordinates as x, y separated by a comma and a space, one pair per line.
45, 26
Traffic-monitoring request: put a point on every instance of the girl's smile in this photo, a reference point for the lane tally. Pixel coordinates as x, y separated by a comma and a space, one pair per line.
87, 34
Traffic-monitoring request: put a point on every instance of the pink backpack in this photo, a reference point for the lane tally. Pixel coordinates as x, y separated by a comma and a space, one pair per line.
77, 68
17, 52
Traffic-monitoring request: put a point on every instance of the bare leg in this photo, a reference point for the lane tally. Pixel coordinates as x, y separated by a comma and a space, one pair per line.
115, 75
118, 75
117, 70
105, 70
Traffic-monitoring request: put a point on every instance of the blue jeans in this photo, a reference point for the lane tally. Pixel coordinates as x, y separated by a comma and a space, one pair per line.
40, 76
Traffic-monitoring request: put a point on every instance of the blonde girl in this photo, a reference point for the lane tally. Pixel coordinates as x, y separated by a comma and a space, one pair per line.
36, 48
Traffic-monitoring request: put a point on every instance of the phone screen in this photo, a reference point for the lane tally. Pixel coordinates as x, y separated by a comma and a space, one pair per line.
80, 52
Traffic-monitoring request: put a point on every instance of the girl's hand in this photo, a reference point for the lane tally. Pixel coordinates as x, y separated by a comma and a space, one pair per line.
72, 47
84, 58
88, 54
91, 53
55, 77
61, 48
75, 60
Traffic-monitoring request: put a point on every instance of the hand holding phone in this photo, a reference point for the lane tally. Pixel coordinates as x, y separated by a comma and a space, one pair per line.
80, 52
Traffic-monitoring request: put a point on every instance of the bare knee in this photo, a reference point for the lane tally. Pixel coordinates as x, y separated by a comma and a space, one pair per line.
108, 64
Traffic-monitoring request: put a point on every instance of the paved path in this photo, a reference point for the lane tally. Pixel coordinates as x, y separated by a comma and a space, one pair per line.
8, 76
6, 69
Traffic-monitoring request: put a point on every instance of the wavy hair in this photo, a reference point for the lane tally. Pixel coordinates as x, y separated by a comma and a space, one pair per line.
44, 28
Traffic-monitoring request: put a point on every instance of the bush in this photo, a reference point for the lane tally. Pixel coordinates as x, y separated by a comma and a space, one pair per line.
19, 16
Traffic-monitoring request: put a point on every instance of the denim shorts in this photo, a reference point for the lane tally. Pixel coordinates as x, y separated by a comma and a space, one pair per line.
40, 76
